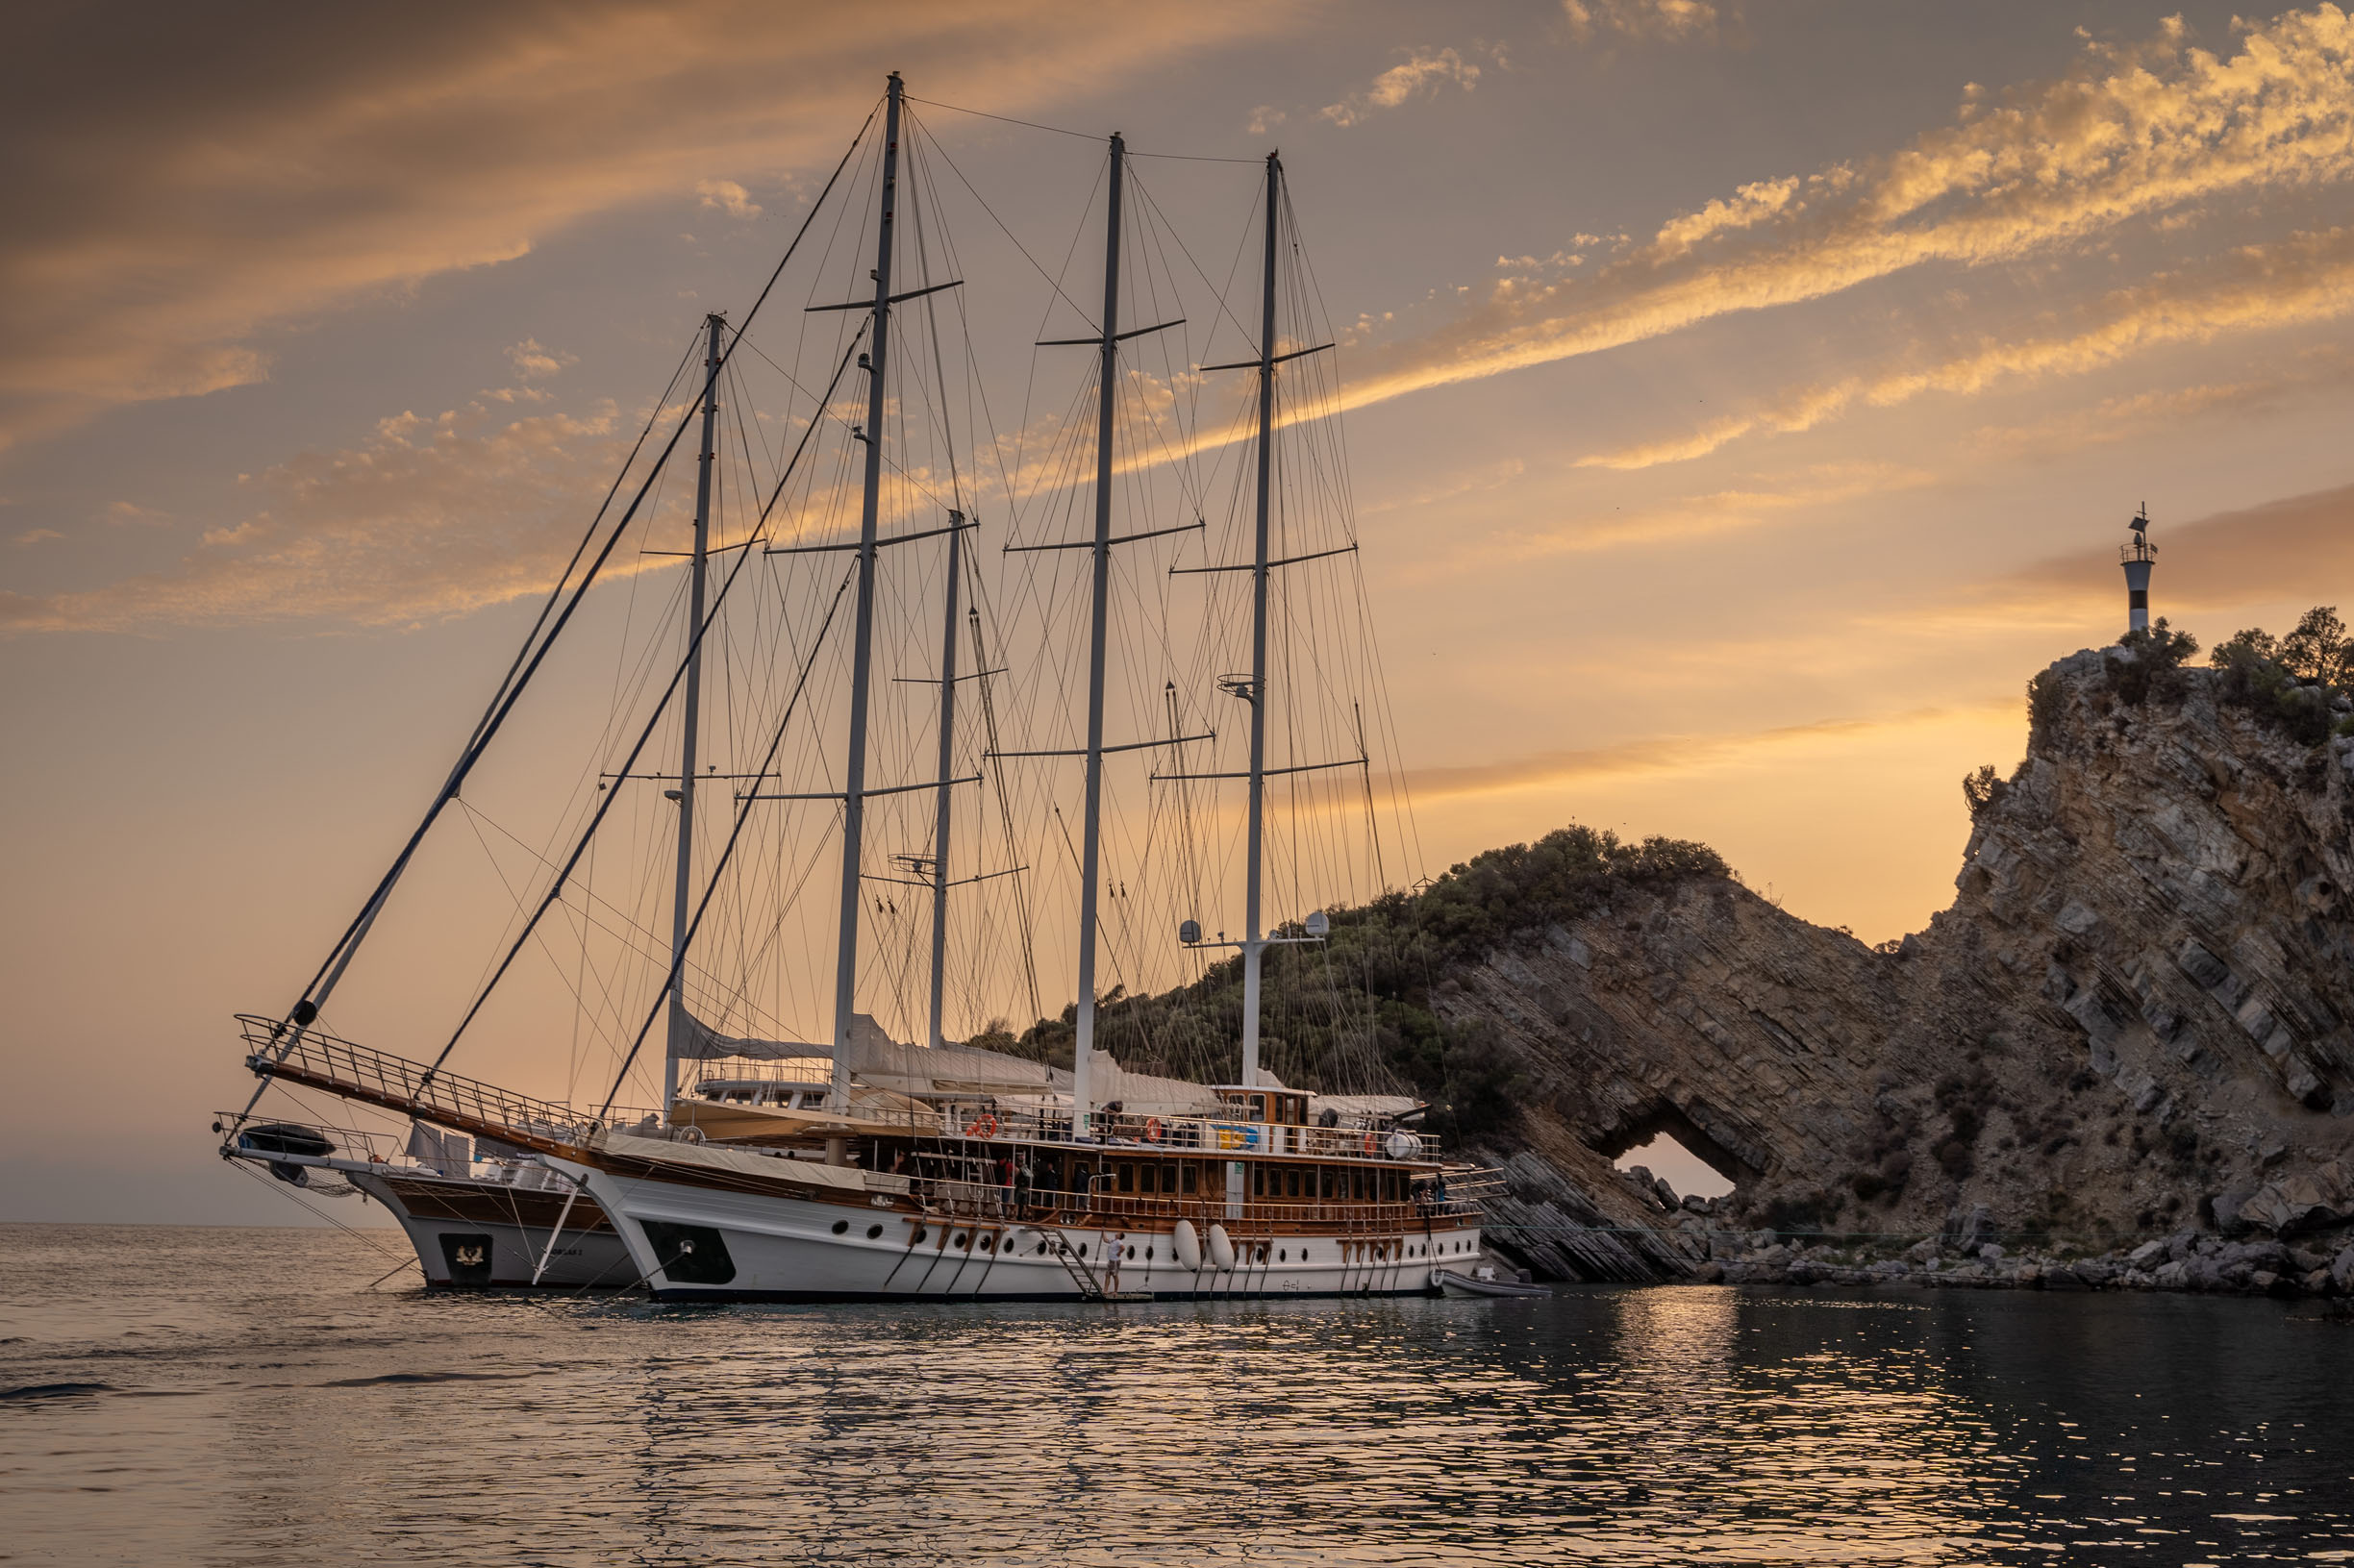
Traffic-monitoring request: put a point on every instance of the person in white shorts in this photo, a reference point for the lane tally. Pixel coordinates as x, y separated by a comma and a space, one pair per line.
1113, 1249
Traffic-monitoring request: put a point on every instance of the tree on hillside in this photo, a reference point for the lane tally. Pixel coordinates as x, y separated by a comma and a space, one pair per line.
2317, 651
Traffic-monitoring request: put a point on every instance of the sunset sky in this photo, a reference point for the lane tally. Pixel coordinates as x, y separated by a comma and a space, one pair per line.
1746, 399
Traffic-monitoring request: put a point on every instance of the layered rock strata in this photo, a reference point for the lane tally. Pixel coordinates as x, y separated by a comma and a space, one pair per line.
2131, 1026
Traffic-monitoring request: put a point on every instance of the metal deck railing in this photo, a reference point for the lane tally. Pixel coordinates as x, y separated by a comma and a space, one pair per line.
377, 1078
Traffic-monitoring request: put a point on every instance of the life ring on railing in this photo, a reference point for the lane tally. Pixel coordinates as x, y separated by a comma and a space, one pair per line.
1152, 1129
982, 1126
1371, 1143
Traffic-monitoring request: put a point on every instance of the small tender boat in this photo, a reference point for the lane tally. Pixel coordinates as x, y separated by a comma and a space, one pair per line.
1483, 1281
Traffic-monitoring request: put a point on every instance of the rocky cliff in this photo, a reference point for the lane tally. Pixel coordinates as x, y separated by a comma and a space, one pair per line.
2133, 1023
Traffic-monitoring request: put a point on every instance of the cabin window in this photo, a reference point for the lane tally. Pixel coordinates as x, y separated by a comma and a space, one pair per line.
1148, 1178
1258, 1181
1127, 1178
1193, 1177
1291, 1178
1258, 1108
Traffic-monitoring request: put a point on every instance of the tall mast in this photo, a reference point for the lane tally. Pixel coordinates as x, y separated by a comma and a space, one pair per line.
1107, 393
1254, 939
947, 756
692, 720
853, 785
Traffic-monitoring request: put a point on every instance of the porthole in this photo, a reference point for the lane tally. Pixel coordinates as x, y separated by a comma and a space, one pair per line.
1282, 1257
963, 1242
873, 1230
840, 1225
1303, 1255
917, 1240
1149, 1254
1083, 1247
1042, 1249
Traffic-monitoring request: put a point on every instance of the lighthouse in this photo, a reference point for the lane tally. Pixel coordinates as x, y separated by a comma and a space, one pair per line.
2139, 558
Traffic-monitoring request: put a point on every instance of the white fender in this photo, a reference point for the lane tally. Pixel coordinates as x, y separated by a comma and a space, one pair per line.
1221, 1249
1188, 1244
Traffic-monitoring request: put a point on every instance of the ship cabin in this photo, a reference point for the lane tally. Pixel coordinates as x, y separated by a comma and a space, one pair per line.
769, 1093
1269, 1157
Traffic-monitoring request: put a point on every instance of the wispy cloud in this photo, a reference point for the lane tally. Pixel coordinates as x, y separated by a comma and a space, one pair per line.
215, 177
37, 535
2133, 131
729, 197
1657, 754
1728, 511
1675, 21
2306, 278
429, 517
533, 360
1421, 73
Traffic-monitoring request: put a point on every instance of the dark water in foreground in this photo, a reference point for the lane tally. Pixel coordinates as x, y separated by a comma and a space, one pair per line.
240, 1397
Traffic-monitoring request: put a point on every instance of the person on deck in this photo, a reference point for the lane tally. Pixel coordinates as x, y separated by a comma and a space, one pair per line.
1113, 1249
1021, 1188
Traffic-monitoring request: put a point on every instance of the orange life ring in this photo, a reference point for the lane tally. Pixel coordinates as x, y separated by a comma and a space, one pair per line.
1369, 1145
1152, 1129
982, 1126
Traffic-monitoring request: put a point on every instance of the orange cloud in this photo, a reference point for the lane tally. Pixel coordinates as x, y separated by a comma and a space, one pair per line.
2307, 279
431, 516
2133, 131
212, 178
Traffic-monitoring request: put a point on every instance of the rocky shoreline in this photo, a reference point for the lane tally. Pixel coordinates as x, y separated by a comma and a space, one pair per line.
2187, 1261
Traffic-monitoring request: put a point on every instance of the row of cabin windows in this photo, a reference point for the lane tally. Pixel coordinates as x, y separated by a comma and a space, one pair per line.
1182, 1177
1333, 1183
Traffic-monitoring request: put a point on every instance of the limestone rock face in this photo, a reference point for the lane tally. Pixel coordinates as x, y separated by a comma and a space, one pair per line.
2133, 1018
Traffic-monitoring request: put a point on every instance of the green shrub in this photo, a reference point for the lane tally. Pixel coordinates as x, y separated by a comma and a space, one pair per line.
2046, 697
1982, 788
2289, 683
2149, 664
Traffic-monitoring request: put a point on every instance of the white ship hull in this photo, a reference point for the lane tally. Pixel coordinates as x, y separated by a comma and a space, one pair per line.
782, 1248
483, 1235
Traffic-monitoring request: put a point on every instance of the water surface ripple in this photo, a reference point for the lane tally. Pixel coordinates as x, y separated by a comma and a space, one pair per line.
240, 1397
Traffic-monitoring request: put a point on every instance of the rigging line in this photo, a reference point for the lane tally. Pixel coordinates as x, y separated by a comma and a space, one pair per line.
346, 946
556, 593
289, 1190
628, 934
897, 467
939, 373
587, 834
509, 689
1060, 131
744, 815
1051, 281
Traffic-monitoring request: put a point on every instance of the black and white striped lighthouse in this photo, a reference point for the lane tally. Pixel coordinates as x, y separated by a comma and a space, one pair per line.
2139, 558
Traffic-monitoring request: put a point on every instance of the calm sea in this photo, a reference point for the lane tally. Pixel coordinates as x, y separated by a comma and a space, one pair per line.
215, 1396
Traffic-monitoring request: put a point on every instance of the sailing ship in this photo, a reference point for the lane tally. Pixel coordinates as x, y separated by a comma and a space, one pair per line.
864, 1167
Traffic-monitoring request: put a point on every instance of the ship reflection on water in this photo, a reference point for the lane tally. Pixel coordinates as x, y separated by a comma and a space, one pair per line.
319, 1421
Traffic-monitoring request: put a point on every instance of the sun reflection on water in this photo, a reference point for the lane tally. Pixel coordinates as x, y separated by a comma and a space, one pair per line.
319, 1421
